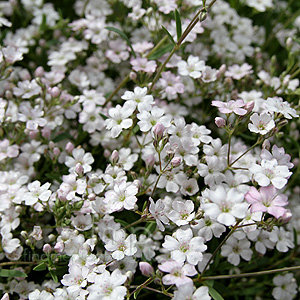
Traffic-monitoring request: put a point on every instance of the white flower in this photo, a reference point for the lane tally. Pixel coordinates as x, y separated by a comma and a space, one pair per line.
157, 211
276, 104
119, 246
193, 67
185, 247
181, 213
282, 238
261, 124
123, 195
188, 292
38, 295
37, 192
234, 249
119, 118
139, 98
225, 205
269, 172
108, 286
79, 157
286, 287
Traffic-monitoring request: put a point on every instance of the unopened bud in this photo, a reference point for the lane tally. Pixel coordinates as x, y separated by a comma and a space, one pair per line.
150, 161
220, 122
158, 131
289, 43
114, 157
249, 106
146, 269
79, 169
39, 72
285, 218
33, 134
176, 161
266, 145
46, 132
56, 151
47, 248
221, 71
69, 147
77, 205
59, 247
54, 92
92, 196
106, 153
132, 75
203, 16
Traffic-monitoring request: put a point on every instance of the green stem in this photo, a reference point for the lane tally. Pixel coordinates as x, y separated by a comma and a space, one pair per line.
157, 46
251, 274
11, 263
220, 245
143, 285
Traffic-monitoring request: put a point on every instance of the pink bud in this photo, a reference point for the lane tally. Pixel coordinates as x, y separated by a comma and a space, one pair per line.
158, 131
5, 297
47, 248
132, 75
56, 151
176, 161
106, 153
69, 147
54, 92
39, 72
114, 157
146, 269
249, 106
220, 122
150, 161
79, 169
286, 217
266, 144
221, 71
33, 134
59, 247
46, 132
92, 196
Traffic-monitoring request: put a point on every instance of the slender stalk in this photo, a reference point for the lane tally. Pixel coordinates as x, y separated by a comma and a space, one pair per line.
11, 263
121, 84
143, 285
251, 274
257, 143
220, 245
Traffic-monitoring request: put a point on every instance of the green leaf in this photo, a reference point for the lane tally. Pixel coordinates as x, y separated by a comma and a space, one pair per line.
104, 117
178, 24
12, 273
169, 35
63, 136
161, 51
214, 294
136, 294
122, 35
40, 267
54, 276
296, 40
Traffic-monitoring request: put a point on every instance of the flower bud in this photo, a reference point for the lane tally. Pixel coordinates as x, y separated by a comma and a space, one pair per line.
46, 132
150, 161
285, 218
158, 131
249, 106
289, 43
69, 147
59, 247
79, 170
92, 196
266, 144
54, 92
39, 72
146, 269
56, 151
5, 297
47, 248
176, 161
220, 122
132, 75
114, 157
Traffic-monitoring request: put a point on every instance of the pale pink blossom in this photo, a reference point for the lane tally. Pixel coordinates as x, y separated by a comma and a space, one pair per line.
233, 106
266, 199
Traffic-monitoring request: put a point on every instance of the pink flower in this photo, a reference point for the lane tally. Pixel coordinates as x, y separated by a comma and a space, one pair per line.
231, 106
142, 64
178, 272
267, 200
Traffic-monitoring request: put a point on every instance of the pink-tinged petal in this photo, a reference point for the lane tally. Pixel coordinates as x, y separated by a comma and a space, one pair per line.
258, 207
240, 111
253, 195
280, 200
169, 266
217, 103
169, 279
268, 192
225, 110
276, 211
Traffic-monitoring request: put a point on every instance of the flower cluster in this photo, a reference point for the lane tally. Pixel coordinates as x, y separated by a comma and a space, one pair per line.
149, 147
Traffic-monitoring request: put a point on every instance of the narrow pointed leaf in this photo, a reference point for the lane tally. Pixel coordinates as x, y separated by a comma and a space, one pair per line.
214, 294
40, 267
169, 35
161, 51
12, 273
178, 24
122, 35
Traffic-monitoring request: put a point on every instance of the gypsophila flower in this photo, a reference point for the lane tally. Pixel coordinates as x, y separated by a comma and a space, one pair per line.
261, 124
